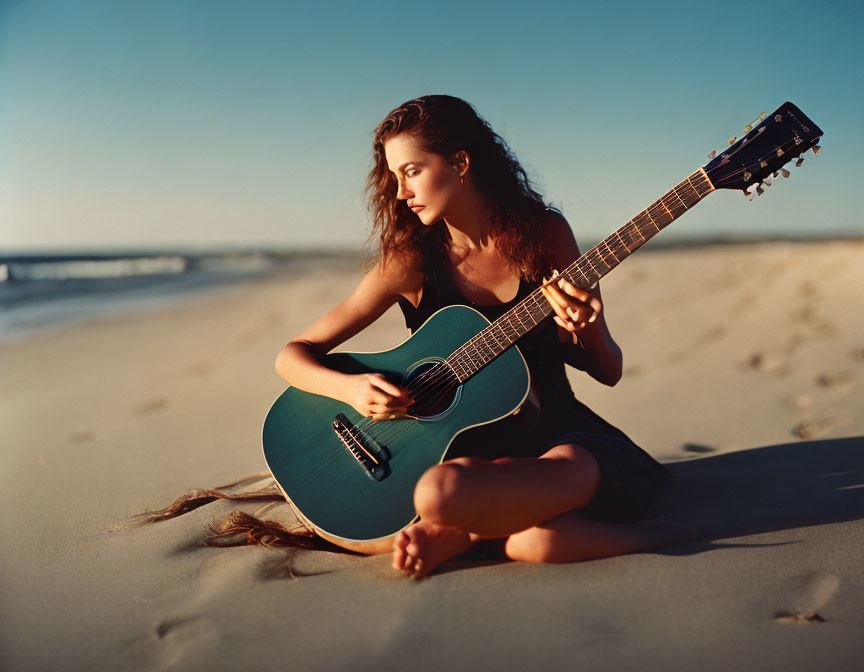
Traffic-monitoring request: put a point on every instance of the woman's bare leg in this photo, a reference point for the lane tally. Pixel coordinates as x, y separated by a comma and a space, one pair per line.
498, 498
571, 537
467, 499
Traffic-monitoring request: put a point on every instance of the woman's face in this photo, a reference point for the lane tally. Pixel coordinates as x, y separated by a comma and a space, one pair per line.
428, 183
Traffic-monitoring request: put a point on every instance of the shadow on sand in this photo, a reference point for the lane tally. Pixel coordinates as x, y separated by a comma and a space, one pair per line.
763, 490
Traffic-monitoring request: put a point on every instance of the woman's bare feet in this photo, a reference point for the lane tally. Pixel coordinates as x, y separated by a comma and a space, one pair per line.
420, 548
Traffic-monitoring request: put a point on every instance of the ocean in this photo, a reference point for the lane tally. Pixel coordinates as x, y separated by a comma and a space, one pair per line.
46, 291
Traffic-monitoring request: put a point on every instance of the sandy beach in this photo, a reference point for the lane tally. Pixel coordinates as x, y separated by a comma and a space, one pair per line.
744, 372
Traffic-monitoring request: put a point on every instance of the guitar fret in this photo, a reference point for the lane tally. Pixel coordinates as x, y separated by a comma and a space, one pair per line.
652, 221
612, 252
675, 191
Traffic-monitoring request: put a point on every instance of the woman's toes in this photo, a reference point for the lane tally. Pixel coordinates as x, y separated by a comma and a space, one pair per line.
406, 562
401, 540
413, 549
418, 568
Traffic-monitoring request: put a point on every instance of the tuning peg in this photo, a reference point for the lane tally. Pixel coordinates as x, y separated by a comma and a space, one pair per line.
798, 163
749, 127
776, 174
747, 175
759, 189
732, 141
749, 193
767, 182
817, 150
784, 172
712, 153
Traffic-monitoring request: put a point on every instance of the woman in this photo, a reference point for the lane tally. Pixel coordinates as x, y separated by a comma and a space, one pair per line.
459, 223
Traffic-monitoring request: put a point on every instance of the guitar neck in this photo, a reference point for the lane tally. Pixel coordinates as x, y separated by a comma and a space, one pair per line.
585, 272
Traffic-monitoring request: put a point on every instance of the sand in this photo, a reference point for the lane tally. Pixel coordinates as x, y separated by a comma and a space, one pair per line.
744, 371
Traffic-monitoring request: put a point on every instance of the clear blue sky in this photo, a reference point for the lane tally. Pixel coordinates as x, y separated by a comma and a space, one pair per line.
216, 122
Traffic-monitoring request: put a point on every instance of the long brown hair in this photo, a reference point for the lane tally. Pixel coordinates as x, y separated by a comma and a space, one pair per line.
445, 125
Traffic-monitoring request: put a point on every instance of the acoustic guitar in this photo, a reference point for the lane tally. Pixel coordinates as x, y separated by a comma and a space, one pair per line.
352, 479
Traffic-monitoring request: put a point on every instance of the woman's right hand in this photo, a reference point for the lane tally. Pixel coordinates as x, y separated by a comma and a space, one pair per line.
373, 396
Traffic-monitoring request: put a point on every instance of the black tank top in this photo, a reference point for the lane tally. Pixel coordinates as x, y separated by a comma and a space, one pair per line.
560, 411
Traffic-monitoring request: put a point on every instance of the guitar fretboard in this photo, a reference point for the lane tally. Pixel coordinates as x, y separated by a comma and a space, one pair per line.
585, 272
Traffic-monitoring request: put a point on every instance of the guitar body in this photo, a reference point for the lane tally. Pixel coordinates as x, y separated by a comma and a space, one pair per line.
312, 460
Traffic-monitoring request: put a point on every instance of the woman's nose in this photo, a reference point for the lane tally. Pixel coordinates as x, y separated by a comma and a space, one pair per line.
402, 192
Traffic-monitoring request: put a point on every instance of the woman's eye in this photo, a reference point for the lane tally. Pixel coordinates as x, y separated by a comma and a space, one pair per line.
411, 173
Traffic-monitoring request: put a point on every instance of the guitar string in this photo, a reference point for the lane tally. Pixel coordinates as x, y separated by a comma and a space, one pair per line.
747, 167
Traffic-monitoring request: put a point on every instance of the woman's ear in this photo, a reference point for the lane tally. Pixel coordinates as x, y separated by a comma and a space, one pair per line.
460, 162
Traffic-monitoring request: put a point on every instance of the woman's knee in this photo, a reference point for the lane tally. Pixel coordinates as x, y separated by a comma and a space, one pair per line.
439, 491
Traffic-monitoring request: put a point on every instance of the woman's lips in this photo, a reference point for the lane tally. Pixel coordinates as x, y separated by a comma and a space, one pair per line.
415, 208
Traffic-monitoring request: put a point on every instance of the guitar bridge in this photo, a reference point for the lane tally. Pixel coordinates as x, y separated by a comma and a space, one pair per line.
370, 454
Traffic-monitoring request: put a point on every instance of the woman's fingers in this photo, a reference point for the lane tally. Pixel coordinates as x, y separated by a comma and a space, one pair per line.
592, 304
558, 303
575, 308
377, 412
391, 390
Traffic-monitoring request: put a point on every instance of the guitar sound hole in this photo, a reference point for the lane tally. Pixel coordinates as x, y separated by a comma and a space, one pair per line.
434, 388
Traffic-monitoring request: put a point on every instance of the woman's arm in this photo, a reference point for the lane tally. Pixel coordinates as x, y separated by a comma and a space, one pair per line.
371, 394
591, 347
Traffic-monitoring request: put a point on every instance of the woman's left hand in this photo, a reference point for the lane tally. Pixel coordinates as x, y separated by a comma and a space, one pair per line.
574, 308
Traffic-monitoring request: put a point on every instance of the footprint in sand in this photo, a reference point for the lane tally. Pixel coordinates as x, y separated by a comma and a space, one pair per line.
807, 314
837, 379
818, 427
199, 369
769, 362
809, 593
857, 354
697, 448
152, 406
803, 400
183, 639
172, 626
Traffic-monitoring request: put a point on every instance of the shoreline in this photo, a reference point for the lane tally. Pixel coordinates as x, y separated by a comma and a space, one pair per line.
54, 310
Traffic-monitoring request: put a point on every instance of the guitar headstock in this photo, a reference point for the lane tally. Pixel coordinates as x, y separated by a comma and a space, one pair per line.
778, 138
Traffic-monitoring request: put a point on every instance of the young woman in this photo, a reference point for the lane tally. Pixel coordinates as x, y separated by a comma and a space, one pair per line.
460, 224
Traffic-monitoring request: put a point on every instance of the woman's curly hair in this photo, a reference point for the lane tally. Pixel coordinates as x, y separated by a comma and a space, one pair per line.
445, 125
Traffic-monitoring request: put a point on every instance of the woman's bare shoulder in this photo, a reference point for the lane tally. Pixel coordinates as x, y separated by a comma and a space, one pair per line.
403, 273
561, 238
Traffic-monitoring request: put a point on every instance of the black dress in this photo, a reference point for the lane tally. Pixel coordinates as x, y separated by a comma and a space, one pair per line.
629, 475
